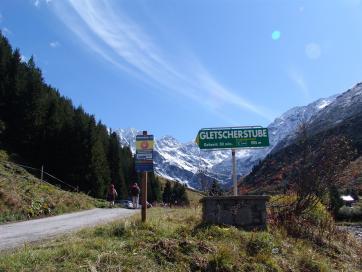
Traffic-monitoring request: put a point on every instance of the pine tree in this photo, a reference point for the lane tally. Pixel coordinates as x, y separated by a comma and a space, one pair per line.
215, 189
99, 176
154, 189
179, 195
115, 165
43, 127
167, 193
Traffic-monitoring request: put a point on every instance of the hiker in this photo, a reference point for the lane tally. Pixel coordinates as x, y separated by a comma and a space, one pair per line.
135, 192
111, 195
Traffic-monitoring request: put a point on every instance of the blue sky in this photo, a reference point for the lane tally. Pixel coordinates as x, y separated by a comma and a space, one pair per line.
172, 67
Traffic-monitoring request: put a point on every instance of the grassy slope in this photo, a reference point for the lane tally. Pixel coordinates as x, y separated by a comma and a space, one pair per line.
22, 196
174, 240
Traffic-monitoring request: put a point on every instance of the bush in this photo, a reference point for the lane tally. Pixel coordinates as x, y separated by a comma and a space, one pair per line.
315, 223
119, 230
350, 213
223, 260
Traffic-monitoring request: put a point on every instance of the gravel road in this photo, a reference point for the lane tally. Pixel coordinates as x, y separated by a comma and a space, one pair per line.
16, 234
355, 229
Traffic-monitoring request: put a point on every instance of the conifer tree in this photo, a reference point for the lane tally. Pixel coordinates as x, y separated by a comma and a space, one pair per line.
115, 165
43, 127
215, 189
167, 193
154, 189
179, 195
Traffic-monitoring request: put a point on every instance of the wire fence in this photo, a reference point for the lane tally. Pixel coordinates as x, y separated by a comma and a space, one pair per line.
44, 176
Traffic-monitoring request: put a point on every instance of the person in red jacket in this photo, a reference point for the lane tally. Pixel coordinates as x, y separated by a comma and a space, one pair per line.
135, 193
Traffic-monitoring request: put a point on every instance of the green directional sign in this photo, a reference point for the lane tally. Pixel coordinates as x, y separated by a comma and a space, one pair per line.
233, 137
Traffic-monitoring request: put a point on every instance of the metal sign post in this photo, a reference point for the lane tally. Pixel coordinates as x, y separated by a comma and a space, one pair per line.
144, 164
144, 196
235, 183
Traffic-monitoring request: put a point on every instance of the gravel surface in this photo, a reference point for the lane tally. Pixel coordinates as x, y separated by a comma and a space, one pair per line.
355, 229
16, 234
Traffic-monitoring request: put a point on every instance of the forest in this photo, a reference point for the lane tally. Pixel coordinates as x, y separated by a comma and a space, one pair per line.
40, 127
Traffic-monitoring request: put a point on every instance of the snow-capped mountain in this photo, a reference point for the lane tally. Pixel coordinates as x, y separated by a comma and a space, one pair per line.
281, 132
175, 160
128, 137
346, 105
183, 161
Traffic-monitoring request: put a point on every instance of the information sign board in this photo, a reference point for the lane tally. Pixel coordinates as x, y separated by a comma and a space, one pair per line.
232, 137
144, 153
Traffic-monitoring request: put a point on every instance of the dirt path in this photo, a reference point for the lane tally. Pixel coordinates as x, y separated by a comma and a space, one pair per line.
16, 234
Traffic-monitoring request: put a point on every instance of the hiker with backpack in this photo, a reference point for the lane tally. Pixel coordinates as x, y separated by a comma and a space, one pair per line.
111, 195
135, 193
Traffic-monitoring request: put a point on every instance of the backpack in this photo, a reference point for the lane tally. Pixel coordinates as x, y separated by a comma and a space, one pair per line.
135, 190
114, 192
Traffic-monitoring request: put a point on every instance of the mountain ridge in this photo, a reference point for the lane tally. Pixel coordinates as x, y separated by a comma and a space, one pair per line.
184, 162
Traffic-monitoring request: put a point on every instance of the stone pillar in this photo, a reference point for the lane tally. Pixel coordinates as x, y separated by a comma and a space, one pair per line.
247, 211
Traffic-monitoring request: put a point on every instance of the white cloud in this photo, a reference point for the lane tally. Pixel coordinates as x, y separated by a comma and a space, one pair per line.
54, 44
313, 50
37, 3
299, 80
122, 42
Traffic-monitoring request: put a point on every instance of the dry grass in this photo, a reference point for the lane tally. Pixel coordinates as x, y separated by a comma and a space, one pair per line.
174, 240
22, 196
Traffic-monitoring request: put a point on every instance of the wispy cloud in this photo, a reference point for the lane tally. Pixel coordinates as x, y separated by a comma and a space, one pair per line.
122, 42
37, 3
300, 82
54, 44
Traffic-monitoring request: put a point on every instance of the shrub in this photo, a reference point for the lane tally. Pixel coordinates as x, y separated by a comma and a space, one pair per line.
119, 230
223, 260
350, 213
315, 222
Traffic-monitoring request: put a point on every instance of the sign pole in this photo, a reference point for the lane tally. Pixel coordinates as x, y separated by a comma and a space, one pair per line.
42, 175
144, 196
144, 164
234, 172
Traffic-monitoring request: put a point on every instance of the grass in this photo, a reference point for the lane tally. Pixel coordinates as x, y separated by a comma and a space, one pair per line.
23, 196
174, 240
